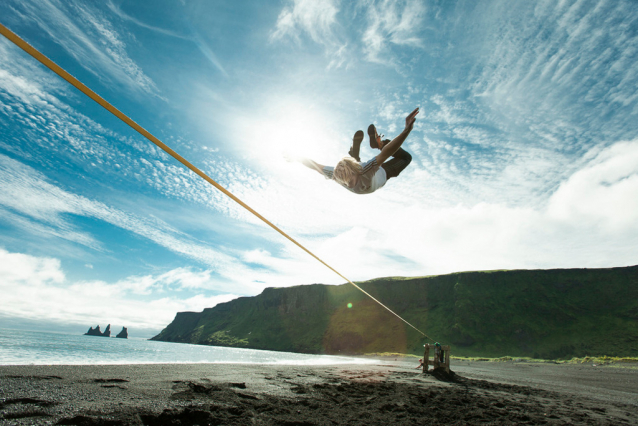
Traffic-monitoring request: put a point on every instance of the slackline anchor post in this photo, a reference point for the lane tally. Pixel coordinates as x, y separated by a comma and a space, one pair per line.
441, 357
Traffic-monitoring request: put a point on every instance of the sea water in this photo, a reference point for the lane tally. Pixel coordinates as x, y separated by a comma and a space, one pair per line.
19, 347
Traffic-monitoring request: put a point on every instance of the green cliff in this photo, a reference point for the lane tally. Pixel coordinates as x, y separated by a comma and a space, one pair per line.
557, 313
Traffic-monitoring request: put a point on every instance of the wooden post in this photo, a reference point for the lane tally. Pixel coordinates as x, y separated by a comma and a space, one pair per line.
426, 358
436, 361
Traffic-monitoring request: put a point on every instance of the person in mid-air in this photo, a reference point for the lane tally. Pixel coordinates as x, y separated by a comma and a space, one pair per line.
367, 177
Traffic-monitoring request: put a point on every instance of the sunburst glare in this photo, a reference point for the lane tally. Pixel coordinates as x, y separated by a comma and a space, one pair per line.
292, 129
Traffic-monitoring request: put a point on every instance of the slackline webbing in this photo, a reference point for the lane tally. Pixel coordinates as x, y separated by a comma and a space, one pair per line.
97, 98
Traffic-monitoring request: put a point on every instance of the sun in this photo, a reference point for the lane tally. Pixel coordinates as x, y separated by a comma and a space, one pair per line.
291, 129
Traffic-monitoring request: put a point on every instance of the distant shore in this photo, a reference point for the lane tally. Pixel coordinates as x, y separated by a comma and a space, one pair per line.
390, 392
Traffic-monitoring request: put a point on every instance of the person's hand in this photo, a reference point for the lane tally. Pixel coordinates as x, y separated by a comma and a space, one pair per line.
292, 158
379, 140
410, 119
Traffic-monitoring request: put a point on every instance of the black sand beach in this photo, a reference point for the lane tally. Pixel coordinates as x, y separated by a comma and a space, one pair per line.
388, 392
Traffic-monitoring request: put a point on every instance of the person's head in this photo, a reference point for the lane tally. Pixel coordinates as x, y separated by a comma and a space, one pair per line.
346, 171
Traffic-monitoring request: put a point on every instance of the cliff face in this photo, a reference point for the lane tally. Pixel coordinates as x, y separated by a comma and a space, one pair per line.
540, 313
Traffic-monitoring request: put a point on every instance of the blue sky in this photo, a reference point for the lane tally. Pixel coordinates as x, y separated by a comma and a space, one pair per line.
525, 151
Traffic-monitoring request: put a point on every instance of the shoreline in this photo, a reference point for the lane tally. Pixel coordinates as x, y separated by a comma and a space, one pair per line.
386, 392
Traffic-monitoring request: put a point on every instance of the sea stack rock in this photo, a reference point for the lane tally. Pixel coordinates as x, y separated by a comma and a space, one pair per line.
97, 332
123, 334
94, 331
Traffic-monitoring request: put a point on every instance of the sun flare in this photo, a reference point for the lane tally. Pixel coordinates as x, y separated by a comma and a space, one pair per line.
292, 129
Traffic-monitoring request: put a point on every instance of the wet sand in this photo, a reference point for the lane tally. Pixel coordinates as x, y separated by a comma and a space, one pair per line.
387, 392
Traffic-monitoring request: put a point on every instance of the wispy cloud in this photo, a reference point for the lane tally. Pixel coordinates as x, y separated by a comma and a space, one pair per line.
317, 19
518, 101
203, 46
389, 23
194, 37
91, 40
119, 12
560, 76
51, 126
592, 219
30, 202
54, 130
35, 206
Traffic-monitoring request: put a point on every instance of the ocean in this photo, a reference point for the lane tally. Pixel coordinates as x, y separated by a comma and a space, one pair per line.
19, 347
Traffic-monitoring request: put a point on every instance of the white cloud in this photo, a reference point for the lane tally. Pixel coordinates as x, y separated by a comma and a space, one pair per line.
118, 11
52, 129
563, 70
204, 47
603, 194
389, 23
480, 205
195, 38
27, 194
181, 278
36, 206
32, 203
35, 288
316, 18
591, 220
18, 267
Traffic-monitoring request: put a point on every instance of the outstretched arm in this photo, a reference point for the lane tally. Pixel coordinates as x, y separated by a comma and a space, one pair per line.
393, 146
312, 164
308, 163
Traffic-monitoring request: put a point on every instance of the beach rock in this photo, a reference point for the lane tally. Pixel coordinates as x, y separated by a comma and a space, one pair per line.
107, 332
123, 334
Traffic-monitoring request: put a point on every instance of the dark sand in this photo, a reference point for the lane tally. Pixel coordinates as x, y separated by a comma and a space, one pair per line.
388, 392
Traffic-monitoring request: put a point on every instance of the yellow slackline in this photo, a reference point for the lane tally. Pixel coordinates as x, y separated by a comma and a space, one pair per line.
97, 98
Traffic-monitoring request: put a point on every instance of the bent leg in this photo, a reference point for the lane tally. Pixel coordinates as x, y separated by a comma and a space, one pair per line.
356, 145
400, 160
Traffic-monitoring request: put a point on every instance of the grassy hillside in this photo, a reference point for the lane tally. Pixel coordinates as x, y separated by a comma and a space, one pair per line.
536, 313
